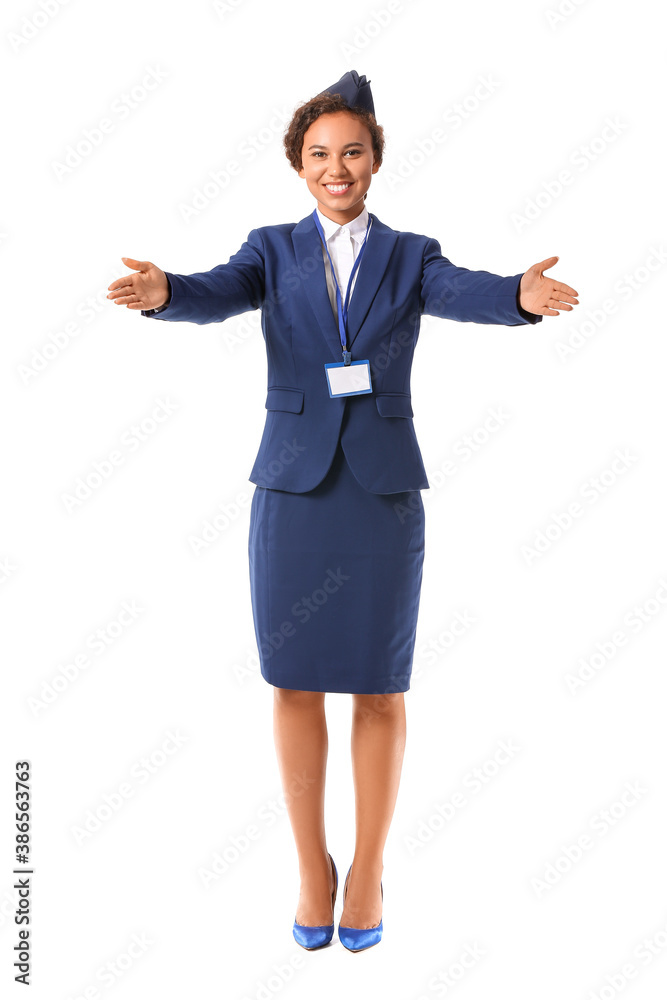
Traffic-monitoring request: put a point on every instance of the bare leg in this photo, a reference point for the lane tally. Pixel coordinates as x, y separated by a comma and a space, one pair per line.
378, 742
302, 743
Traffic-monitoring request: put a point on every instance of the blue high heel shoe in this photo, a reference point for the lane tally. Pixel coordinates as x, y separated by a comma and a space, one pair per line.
359, 938
318, 935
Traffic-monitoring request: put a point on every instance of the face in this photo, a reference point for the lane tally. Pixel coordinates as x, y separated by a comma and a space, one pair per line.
338, 150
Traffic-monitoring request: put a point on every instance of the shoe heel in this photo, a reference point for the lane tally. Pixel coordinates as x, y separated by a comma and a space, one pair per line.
359, 938
317, 936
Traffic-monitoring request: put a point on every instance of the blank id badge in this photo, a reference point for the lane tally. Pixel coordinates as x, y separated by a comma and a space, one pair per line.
348, 380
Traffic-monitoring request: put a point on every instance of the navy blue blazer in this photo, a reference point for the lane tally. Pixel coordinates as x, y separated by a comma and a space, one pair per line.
280, 270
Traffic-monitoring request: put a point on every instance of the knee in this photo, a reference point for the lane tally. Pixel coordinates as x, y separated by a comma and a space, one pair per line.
370, 707
291, 698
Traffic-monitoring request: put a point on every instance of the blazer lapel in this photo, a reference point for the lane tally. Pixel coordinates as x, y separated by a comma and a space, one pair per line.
310, 269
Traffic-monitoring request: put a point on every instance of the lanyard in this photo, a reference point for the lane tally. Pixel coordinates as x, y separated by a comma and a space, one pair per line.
342, 307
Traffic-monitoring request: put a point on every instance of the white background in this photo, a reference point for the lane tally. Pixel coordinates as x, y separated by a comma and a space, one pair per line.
187, 662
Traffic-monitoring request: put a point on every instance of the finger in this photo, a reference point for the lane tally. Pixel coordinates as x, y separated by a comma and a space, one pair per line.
564, 297
126, 289
137, 265
126, 300
545, 310
554, 303
127, 279
562, 287
545, 264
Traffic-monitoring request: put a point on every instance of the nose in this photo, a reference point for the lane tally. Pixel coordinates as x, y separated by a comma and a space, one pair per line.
336, 170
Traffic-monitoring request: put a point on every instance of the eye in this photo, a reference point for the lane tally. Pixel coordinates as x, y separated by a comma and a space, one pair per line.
320, 152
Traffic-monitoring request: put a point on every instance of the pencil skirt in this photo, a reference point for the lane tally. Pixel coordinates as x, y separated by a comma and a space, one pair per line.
335, 580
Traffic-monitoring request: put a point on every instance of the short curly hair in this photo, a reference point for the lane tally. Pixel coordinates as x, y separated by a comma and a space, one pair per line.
326, 104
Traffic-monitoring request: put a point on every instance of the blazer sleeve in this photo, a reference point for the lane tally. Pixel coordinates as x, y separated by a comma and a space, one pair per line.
215, 295
458, 293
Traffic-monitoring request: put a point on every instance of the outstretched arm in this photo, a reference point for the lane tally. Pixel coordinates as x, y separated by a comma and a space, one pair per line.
461, 294
468, 296
206, 297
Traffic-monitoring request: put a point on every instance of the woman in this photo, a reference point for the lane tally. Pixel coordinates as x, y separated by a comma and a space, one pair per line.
336, 538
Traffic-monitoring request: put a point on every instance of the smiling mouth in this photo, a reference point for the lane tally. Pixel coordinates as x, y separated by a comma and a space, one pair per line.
338, 188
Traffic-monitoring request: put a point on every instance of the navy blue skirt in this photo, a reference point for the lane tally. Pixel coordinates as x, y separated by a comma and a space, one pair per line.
335, 579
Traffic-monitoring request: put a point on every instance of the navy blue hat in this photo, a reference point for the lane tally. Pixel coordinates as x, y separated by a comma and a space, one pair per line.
354, 89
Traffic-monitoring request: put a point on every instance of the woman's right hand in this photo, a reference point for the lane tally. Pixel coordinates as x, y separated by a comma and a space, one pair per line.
147, 289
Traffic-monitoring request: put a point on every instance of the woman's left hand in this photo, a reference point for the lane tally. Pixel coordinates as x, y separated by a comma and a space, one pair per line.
542, 295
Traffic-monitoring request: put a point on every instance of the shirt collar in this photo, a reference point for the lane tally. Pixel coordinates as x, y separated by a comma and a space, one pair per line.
357, 227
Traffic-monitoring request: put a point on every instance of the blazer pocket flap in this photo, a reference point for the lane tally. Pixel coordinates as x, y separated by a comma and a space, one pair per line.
281, 397
394, 404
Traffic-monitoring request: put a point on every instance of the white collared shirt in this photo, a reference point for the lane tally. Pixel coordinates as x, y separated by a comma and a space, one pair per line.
334, 233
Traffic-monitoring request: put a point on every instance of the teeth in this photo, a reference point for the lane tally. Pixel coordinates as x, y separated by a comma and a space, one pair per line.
337, 187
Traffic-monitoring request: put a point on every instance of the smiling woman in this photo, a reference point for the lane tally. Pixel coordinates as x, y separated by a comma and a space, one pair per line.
336, 149
336, 539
